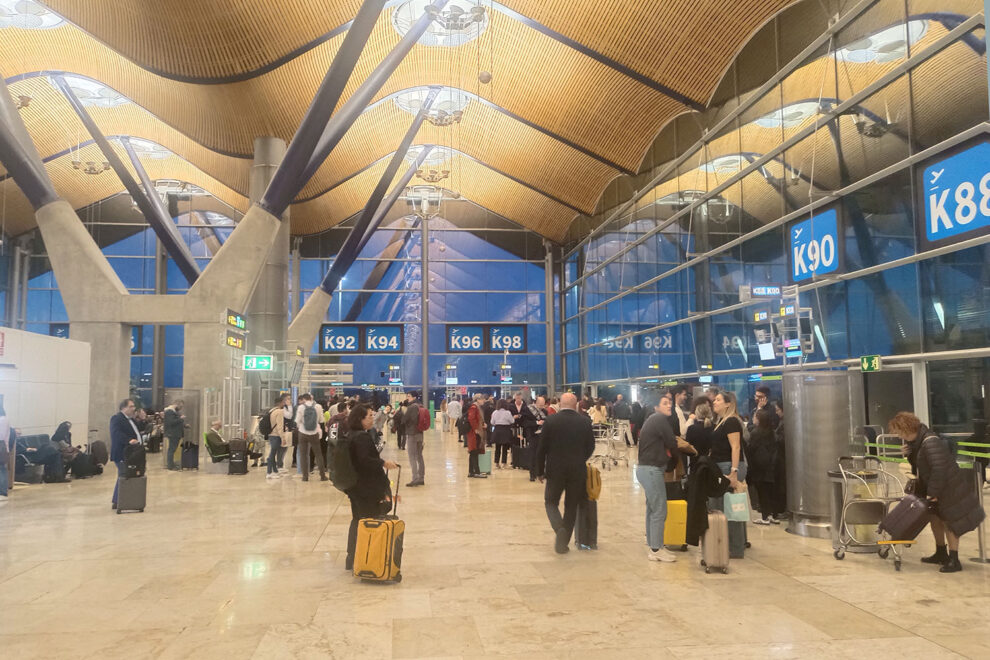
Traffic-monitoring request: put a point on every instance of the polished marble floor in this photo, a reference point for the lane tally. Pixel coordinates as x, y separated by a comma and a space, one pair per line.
240, 567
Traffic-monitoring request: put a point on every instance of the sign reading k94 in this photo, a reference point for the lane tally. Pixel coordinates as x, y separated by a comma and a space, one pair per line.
956, 196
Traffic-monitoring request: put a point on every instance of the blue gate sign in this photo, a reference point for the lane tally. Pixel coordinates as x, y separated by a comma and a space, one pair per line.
956, 196
465, 339
510, 338
339, 338
383, 339
815, 246
658, 342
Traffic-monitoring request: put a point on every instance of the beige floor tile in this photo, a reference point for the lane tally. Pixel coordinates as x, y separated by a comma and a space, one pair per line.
435, 637
265, 579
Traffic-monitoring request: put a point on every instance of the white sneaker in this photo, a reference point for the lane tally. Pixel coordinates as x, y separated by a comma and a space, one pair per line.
773, 521
761, 521
271, 475
663, 554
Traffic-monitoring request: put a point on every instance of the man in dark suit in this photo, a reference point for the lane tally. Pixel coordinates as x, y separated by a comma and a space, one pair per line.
566, 446
123, 431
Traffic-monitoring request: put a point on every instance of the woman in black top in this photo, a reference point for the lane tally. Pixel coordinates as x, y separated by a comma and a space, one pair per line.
372, 487
727, 450
699, 432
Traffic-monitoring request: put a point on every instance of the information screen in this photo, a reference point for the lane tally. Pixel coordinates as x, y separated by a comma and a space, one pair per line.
465, 339
510, 338
340, 339
383, 339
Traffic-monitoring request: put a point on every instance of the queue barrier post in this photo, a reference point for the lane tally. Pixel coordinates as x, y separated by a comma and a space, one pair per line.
982, 451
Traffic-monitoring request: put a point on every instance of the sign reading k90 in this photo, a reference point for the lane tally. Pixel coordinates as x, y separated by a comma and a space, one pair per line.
815, 246
956, 194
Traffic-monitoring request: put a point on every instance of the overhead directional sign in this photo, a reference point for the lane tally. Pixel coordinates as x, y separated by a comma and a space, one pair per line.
466, 339
815, 246
955, 191
340, 338
259, 363
383, 338
510, 338
236, 320
869, 363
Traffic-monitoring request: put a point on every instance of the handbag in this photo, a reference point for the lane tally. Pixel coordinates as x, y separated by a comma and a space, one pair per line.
736, 507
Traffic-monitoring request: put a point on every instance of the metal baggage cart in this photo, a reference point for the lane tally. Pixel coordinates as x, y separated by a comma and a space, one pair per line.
869, 492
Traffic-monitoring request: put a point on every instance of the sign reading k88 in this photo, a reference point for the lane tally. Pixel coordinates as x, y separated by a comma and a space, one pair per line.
956, 196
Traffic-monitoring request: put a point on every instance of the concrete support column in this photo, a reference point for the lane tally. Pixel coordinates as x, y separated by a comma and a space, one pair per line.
268, 312
548, 315
110, 364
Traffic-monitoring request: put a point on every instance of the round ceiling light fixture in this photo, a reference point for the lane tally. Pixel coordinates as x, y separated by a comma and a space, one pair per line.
27, 15
459, 22
447, 107
887, 45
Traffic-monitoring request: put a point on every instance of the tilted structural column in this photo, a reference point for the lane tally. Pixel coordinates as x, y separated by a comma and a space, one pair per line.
306, 325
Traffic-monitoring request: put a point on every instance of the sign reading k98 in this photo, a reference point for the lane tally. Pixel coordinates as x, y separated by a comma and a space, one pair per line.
815, 246
956, 193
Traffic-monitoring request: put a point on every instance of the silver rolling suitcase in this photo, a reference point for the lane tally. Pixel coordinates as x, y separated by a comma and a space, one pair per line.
715, 543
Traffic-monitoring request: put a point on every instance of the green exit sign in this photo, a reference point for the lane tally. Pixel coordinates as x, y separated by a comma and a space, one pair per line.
869, 363
258, 363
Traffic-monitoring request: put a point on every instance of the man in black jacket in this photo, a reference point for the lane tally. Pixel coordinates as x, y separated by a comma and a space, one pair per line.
566, 446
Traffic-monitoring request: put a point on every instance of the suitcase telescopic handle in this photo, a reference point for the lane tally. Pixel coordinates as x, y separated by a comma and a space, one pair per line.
395, 498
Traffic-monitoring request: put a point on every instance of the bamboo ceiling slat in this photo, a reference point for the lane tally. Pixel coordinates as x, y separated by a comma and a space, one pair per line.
197, 39
476, 183
485, 134
655, 39
55, 127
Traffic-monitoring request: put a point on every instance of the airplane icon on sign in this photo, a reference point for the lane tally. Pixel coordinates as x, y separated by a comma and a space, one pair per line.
936, 176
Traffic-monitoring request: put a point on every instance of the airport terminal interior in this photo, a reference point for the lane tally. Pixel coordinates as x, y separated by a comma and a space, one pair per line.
509, 329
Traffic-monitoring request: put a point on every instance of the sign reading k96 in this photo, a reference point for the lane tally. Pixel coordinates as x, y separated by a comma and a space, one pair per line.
956, 193
815, 246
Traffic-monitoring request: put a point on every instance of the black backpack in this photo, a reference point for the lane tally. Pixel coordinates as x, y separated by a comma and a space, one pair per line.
463, 423
134, 460
343, 476
265, 424
310, 418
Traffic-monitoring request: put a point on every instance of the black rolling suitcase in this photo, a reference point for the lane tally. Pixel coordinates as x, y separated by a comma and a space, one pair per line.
190, 457
132, 492
237, 463
522, 453
586, 525
906, 520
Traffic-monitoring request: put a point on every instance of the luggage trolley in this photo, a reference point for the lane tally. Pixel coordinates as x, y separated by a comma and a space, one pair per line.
603, 446
879, 491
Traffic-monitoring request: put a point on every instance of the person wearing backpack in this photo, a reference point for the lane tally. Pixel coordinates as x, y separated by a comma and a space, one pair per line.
308, 416
415, 412
271, 426
372, 486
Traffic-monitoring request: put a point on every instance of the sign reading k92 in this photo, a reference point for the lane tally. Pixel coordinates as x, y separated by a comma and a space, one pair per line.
815, 246
956, 194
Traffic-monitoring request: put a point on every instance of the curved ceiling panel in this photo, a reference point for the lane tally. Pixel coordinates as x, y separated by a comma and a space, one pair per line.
475, 182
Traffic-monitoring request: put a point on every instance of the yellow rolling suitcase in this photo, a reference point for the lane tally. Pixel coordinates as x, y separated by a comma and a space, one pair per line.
378, 554
675, 529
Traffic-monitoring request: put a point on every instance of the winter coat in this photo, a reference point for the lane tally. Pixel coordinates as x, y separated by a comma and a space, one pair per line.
939, 476
474, 439
706, 481
761, 455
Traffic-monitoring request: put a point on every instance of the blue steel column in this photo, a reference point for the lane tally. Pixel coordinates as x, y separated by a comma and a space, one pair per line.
287, 181
156, 216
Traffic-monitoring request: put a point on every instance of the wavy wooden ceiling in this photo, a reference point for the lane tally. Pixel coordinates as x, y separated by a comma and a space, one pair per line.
162, 54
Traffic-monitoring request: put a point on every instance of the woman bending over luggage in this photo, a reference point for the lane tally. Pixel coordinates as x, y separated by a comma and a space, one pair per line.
957, 507
372, 487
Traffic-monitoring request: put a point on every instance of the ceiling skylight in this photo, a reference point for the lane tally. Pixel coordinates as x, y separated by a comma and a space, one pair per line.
789, 116
449, 101
887, 45
27, 15
93, 93
459, 22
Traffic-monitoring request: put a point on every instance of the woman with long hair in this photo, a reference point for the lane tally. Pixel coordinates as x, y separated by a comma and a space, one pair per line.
727, 448
372, 487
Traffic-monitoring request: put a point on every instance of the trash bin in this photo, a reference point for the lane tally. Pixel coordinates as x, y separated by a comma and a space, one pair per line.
866, 533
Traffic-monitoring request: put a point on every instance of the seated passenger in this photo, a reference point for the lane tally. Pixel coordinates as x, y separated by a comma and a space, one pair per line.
215, 442
45, 455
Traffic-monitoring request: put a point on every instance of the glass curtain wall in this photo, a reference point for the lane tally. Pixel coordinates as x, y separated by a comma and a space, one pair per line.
838, 135
483, 270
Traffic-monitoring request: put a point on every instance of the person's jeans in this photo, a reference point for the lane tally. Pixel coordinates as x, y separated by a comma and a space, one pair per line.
501, 453
625, 431
173, 444
575, 490
116, 484
307, 442
414, 444
3, 480
274, 445
650, 478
